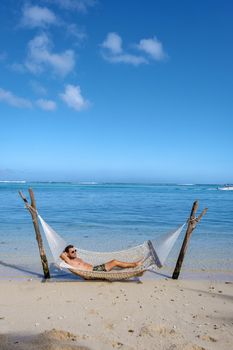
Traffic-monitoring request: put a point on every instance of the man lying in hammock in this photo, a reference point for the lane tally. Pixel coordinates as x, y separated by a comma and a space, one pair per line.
69, 255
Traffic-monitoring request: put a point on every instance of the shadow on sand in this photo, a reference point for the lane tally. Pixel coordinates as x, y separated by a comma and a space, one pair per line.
61, 276
21, 268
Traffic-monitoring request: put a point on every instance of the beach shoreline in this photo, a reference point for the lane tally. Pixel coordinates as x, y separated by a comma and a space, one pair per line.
141, 314
23, 272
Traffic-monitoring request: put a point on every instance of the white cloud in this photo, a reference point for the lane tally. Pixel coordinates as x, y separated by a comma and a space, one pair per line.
75, 31
47, 105
113, 42
13, 100
40, 57
153, 47
73, 98
126, 58
36, 16
114, 53
74, 5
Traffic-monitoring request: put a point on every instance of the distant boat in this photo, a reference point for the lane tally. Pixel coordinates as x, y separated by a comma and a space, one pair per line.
226, 188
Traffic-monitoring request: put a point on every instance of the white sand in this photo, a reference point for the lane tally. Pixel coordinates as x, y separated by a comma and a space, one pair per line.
155, 314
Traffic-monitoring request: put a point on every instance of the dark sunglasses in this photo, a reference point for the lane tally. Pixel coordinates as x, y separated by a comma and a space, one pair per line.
73, 251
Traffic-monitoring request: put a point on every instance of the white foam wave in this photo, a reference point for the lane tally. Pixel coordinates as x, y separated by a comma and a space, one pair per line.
13, 181
186, 184
229, 188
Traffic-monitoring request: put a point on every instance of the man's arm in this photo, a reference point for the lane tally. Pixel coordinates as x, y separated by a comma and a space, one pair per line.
64, 257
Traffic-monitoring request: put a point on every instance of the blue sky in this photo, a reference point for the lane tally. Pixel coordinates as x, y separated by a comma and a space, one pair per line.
116, 91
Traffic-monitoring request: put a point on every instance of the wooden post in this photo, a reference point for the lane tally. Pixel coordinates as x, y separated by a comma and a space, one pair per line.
33, 211
192, 222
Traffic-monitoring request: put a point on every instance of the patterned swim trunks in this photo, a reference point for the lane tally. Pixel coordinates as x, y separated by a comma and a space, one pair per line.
99, 268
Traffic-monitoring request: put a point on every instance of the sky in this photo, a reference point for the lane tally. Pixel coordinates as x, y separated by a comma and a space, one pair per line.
123, 91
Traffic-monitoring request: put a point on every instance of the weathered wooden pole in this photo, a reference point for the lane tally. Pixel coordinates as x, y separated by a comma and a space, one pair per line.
192, 222
33, 211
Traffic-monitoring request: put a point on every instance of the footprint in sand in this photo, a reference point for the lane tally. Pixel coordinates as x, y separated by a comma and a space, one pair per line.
152, 330
209, 338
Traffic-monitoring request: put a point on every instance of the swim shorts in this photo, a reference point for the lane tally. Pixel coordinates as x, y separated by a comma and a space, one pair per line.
99, 268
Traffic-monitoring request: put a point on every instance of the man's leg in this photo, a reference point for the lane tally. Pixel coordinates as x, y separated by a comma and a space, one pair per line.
116, 263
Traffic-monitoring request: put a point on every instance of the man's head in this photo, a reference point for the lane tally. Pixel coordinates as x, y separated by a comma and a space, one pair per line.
71, 251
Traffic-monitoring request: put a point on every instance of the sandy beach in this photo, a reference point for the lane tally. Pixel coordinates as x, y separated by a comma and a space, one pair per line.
150, 314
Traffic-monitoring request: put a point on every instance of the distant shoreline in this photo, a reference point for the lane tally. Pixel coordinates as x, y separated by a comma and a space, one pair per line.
110, 183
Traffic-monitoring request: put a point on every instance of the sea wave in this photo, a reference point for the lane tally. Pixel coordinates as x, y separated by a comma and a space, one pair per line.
186, 184
88, 183
13, 181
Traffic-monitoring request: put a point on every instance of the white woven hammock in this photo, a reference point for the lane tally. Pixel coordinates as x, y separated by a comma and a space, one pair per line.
154, 255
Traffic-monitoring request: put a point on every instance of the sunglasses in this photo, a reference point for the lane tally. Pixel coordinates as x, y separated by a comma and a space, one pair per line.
73, 251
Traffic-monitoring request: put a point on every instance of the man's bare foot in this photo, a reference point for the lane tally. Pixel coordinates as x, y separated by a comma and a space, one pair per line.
139, 262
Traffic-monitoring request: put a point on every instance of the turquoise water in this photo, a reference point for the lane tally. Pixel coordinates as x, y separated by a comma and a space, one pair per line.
114, 216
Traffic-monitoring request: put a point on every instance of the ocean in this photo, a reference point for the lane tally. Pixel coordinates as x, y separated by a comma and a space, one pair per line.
112, 216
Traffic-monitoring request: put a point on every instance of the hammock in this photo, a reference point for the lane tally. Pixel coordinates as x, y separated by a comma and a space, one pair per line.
153, 254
